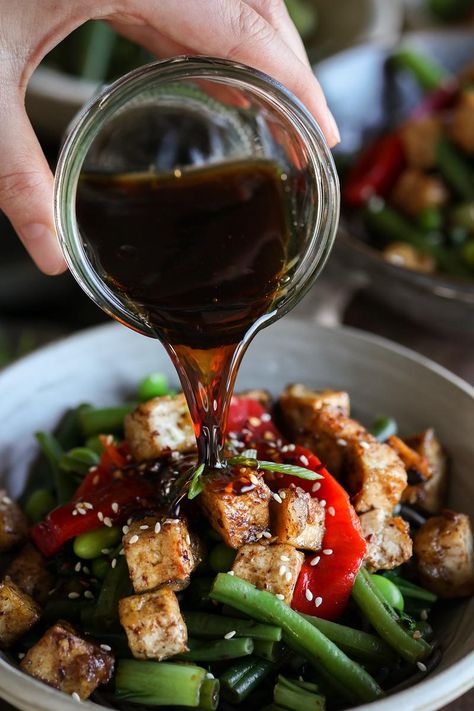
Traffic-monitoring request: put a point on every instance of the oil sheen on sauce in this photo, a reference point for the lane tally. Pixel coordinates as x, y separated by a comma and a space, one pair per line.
199, 256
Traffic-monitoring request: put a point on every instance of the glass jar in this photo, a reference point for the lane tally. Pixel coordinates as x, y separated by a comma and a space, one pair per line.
193, 112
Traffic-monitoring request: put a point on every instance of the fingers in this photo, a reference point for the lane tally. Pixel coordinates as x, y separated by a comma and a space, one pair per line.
275, 12
26, 187
233, 29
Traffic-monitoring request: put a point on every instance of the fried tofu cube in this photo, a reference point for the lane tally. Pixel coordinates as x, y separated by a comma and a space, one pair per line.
415, 191
13, 523
64, 660
429, 495
388, 540
154, 625
445, 556
162, 553
303, 402
462, 126
298, 519
420, 138
262, 396
239, 516
18, 613
274, 568
28, 571
158, 427
376, 476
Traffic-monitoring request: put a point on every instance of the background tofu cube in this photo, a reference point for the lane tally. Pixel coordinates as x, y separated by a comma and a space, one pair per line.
29, 572
18, 612
166, 557
154, 625
388, 540
13, 523
238, 517
298, 519
67, 662
274, 568
160, 426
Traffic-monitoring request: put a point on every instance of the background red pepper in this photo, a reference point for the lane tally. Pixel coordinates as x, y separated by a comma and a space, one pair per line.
332, 578
375, 171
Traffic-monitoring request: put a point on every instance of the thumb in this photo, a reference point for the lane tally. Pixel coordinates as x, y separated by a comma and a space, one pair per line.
26, 187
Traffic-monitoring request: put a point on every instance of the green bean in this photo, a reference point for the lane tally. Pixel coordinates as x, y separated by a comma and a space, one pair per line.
430, 219
299, 634
95, 444
115, 586
383, 428
154, 385
38, 504
390, 592
68, 432
70, 610
271, 651
468, 254
385, 620
52, 450
293, 696
159, 683
90, 545
218, 649
359, 645
78, 460
208, 626
221, 558
428, 73
455, 169
409, 589
229, 678
462, 216
105, 420
100, 567
209, 694
248, 681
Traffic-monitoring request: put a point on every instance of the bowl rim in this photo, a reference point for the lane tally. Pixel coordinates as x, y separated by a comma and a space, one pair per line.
442, 285
18, 690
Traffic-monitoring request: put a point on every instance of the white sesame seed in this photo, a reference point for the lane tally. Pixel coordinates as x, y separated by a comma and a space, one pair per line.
188, 539
245, 489
417, 634
315, 560
424, 615
291, 447
422, 667
255, 421
209, 675
106, 647
318, 601
108, 522
268, 435
74, 512
304, 460
75, 696
78, 567
89, 595
230, 572
157, 527
341, 442
266, 417
21, 655
96, 480
133, 539
258, 536
254, 479
144, 527
88, 505
322, 502
86, 569
121, 551
288, 576
331, 511
280, 596
230, 634
129, 521
266, 534
82, 511
316, 486
284, 558
73, 595
327, 551
282, 570
309, 595
100, 515
282, 494
115, 507
277, 498
365, 445
105, 551
113, 562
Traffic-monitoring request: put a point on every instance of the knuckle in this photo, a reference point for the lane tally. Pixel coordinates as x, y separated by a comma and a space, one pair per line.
248, 28
19, 183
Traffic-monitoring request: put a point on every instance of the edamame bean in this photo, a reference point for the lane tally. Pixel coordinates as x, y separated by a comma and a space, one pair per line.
389, 591
39, 503
89, 545
154, 385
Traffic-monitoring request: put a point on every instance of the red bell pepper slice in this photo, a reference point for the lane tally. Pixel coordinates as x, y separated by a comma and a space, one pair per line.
113, 457
375, 171
330, 581
61, 524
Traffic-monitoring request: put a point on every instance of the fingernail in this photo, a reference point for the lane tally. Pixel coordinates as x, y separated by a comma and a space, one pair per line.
335, 135
42, 244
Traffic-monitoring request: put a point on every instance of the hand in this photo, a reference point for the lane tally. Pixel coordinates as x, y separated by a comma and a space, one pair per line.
255, 32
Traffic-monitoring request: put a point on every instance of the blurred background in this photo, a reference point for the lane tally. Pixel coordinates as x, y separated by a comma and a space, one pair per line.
400, 72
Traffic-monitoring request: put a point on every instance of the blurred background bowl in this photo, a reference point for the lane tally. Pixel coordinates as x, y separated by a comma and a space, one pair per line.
365, 100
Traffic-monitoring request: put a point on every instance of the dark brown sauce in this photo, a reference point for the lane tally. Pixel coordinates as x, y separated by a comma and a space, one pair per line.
199, 256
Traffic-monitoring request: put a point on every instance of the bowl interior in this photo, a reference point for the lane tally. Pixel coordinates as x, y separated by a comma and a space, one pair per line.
103, 366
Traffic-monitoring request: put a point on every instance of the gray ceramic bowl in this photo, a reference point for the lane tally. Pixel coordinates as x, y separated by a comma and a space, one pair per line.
366, 105
103, 365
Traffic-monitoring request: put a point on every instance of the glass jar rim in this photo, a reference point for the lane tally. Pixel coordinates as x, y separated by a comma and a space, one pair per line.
93, 116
